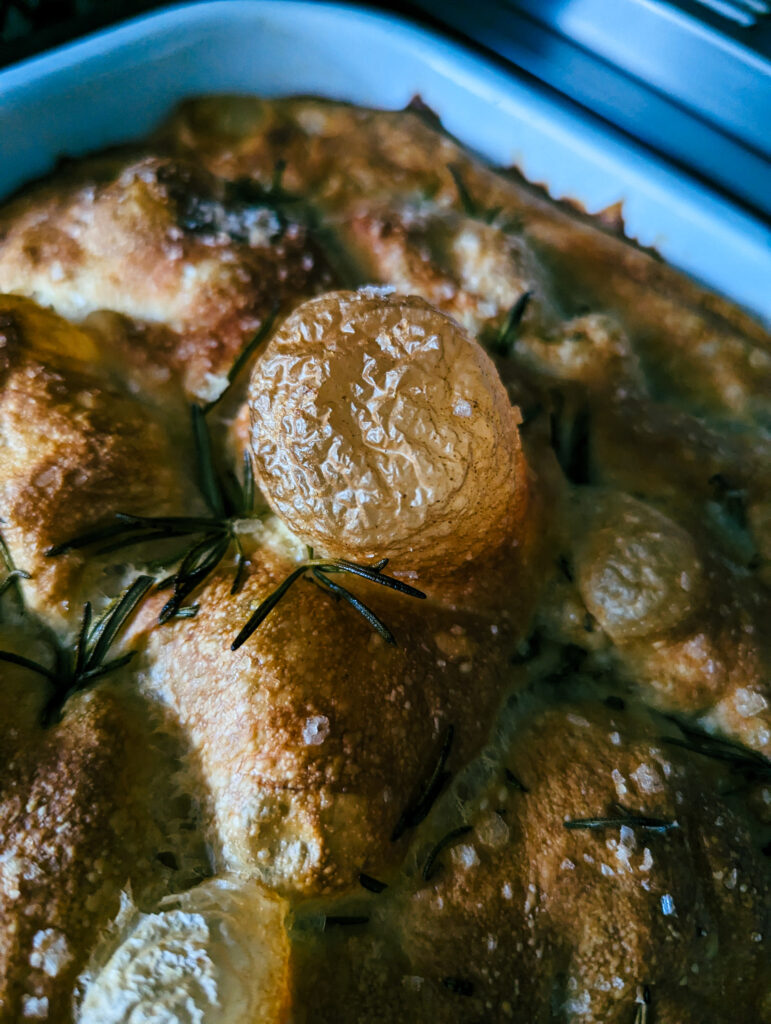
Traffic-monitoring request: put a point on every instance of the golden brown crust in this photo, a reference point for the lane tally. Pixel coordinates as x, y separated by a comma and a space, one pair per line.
75, 450
309, 762
196, 268
468, 268
574, 923
75, 827
631, 557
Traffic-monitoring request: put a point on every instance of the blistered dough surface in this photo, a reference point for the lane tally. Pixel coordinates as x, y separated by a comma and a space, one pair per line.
381, 429
578, 481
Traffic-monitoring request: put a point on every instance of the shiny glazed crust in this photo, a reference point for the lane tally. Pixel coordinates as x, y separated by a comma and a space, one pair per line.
549, 799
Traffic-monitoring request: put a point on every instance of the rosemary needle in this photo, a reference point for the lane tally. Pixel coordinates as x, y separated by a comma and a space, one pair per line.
11, 582
321, 569
418, 808
430, 867
244, 357
86, 661
753, 765
659, 825
504, 343
623, 816
210, 537
470, 206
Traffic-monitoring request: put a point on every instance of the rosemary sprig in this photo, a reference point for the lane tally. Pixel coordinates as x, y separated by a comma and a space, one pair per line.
11, 581
86, 661
753, 765
418, 808
648, 824
371, 884
641, 1010
514, 782
245, 356
571, 441
503, 344
470, 206
320, 569
211, 536
431, 867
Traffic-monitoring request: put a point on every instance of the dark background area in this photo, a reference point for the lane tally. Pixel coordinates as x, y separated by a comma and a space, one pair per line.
30, 26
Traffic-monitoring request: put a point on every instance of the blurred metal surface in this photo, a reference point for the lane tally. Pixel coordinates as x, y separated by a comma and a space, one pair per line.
690, 78
743, 12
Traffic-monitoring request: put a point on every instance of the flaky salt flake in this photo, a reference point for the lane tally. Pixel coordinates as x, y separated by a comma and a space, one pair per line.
749, 702
462, 408
50, 952
34, 1007
668, 905
647, 779
315, 730
619, 782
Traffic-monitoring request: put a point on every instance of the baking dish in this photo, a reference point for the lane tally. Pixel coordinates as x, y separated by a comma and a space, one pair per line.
196, 714
115, 85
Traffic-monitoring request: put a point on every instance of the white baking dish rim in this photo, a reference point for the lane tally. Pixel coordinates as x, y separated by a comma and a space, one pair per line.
117, 84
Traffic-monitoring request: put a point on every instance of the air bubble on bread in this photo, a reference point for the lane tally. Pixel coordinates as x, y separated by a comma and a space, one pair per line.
638, 571
381, 429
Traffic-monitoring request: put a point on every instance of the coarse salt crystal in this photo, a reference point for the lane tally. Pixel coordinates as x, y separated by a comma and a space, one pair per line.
667, 905
315, 730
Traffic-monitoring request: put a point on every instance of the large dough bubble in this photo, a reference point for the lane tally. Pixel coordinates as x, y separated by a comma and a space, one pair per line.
381, 429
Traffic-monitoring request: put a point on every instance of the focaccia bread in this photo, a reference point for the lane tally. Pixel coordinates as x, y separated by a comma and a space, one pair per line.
384, 597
